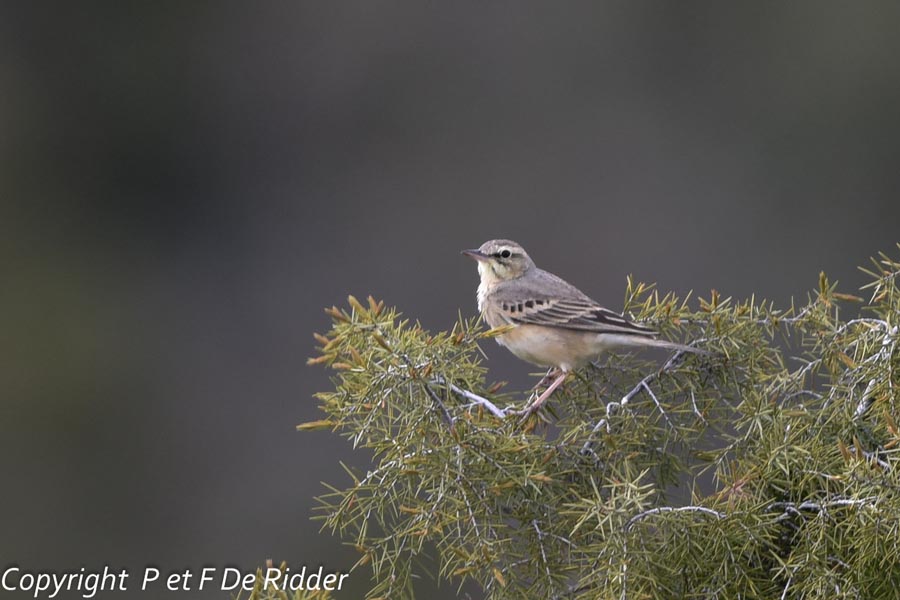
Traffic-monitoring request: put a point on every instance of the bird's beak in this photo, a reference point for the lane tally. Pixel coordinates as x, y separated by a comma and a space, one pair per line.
475, 254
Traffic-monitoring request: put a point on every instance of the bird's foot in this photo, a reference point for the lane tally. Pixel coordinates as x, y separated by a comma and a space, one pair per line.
560, 377
547, 379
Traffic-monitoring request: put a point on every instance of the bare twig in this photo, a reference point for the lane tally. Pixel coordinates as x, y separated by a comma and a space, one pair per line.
768, 320
643, 384
658, 405
665, 509
490, 406
696, 411
786, 586
882, 356
540, 536
792, 509
798, 393
875, 323
414, 375
871, 456
604, 422
438, 402
462, 489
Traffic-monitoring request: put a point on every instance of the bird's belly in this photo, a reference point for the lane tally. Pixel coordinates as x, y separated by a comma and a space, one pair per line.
550, 346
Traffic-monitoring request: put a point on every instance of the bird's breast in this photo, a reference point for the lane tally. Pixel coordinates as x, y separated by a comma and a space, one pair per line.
481, 295
550, 346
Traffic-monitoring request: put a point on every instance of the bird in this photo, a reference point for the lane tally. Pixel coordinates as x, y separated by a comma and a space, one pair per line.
551, 322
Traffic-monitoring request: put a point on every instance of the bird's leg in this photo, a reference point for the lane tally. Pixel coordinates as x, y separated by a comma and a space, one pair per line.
543, 397
552, 374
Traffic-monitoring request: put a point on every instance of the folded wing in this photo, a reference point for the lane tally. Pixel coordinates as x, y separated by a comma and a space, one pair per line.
571, 313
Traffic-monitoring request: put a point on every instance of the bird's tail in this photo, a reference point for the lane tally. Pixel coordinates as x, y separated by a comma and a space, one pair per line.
640, 341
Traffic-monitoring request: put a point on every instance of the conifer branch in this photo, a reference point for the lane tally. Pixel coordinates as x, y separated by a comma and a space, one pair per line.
787, 440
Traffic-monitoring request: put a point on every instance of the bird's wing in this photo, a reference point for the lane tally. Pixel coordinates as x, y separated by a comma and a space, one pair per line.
562, 305
570, 314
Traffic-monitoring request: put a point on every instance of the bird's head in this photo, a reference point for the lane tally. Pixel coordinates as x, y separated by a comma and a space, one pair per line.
500, 260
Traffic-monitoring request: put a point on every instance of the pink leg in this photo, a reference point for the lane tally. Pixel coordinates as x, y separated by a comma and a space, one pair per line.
547, 379
543, 397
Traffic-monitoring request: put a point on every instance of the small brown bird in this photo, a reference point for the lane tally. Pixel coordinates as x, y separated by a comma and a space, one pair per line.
554, 323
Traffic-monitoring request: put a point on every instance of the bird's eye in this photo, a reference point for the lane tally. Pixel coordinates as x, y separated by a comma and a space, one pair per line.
505, 254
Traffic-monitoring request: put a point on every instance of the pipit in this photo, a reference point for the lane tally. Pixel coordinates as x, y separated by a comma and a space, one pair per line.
554, 324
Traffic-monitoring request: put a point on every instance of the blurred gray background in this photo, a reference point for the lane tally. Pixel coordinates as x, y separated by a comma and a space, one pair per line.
184, 186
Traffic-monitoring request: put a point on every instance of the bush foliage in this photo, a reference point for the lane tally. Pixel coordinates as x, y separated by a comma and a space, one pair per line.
768, 469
